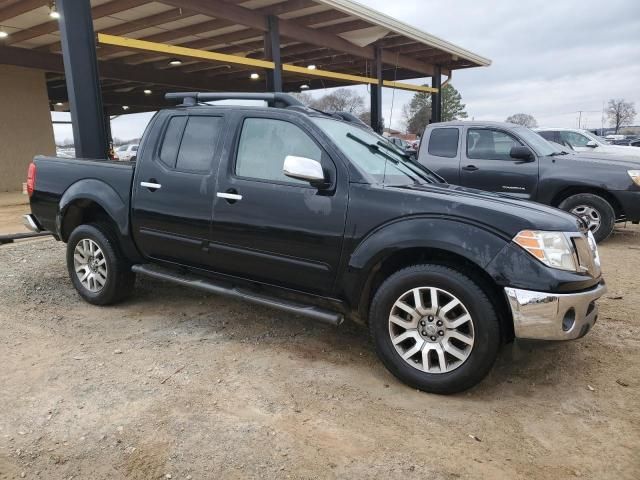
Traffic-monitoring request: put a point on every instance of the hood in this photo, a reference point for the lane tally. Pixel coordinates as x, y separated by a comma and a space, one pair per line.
500, 211
623, 150
610, 159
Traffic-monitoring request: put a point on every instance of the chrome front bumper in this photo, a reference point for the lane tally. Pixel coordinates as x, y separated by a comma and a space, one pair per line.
553, 316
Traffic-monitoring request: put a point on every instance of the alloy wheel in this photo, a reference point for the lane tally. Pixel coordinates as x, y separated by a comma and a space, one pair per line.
90, 265
431, 329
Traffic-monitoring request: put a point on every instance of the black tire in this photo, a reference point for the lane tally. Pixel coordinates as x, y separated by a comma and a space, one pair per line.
602, 207
485, 322
120, 279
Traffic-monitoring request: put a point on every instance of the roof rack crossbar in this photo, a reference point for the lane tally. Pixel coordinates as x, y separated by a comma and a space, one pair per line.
274, 99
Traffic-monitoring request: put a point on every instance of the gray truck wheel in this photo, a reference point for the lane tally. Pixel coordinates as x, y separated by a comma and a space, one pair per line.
593, 209
97, 268
434, 328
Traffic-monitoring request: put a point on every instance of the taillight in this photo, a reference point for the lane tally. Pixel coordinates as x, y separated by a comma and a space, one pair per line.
31, 178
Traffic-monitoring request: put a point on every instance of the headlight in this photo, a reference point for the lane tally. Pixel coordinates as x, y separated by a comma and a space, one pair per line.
551, 248
635, 176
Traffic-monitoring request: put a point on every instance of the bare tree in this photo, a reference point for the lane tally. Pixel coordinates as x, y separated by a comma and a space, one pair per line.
523, 119
340, 100
304, 97
620, 113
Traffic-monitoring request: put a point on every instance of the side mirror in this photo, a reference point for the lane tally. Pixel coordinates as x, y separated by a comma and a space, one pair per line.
521, 153
592, 144
305, 169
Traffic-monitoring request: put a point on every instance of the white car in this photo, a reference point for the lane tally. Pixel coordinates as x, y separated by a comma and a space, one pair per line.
126, 153
585, 141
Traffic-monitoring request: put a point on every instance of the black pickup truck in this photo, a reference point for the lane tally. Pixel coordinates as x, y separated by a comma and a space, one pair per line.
289, 208
508, 158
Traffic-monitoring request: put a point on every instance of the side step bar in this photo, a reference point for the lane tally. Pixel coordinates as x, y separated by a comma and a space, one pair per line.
229, 290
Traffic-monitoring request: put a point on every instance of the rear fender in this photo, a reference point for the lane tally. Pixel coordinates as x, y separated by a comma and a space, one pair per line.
103, 195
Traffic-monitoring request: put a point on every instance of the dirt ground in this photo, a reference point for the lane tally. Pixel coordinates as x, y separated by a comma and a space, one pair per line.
12, 207
177, 384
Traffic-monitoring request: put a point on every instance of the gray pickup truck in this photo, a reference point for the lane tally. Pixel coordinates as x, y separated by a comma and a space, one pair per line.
508, 158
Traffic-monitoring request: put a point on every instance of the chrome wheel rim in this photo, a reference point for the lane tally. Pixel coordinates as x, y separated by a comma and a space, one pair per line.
589, 215
431, 330
90, 265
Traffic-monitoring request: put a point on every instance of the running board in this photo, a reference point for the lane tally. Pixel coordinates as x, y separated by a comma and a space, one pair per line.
229, 290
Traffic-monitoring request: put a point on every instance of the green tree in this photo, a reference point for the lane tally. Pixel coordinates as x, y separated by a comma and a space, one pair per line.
418, 112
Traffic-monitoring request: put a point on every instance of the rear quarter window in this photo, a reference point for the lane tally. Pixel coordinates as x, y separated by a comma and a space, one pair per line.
443, 142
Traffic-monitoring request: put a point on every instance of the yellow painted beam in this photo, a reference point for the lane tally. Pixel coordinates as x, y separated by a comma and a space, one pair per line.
328, 74
177, 51
408, 86
174, 50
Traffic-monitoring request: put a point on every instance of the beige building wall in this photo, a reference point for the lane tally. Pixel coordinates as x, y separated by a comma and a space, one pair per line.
25, 123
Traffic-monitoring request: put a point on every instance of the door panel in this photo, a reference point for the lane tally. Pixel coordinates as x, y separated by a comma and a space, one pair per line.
270, 227
487, 165
174, 191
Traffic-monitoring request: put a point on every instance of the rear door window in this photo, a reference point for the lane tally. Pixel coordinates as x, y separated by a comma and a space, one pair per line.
551, 136
189, 142
199, 143
443, 142
171, 141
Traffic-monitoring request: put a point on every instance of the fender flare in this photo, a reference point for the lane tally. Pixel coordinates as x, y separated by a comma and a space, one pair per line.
477, 243
100, 193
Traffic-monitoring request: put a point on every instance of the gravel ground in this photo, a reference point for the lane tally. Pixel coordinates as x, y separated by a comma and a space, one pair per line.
177, 384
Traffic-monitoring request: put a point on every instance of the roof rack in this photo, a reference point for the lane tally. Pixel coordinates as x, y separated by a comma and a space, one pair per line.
274, 99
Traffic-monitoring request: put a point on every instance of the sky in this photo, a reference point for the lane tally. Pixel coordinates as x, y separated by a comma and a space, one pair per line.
549, 59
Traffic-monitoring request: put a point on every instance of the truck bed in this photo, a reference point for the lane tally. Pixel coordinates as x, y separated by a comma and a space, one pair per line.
56, 175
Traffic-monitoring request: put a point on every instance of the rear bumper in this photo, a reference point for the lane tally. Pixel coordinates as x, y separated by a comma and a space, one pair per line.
31, 223
553, 316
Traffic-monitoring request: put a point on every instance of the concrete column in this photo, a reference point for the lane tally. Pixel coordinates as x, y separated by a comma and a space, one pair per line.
25, 124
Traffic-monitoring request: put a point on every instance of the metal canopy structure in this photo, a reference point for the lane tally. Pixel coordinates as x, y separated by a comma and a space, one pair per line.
146, 48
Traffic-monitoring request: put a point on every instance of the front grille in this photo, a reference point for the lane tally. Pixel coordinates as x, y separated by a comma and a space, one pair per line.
587, 259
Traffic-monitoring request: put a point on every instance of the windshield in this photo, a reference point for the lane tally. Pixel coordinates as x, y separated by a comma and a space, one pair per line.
535, 141
374, 156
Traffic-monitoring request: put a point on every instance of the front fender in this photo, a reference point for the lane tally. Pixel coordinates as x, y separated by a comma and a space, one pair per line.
476, 243
100, 193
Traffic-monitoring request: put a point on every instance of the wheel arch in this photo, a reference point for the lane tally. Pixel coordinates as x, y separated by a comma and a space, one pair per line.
565, 193
466, 247
403, 258
91, 200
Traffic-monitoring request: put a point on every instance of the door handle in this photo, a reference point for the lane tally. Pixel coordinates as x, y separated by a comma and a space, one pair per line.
231, 195
151, 185
470, 168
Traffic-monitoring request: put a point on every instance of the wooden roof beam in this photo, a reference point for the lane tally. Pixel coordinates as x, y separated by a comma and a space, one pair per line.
51, 62
292, 29
52, 25
16, 9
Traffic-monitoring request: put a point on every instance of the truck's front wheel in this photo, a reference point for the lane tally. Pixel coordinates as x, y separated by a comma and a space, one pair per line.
434, 328
97, 268
595, 211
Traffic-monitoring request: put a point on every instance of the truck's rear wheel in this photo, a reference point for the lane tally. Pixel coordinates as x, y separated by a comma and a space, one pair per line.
593, 209
434, 328
97, 268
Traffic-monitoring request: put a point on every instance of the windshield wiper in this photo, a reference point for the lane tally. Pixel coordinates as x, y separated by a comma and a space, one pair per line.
374, 147
392, 148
